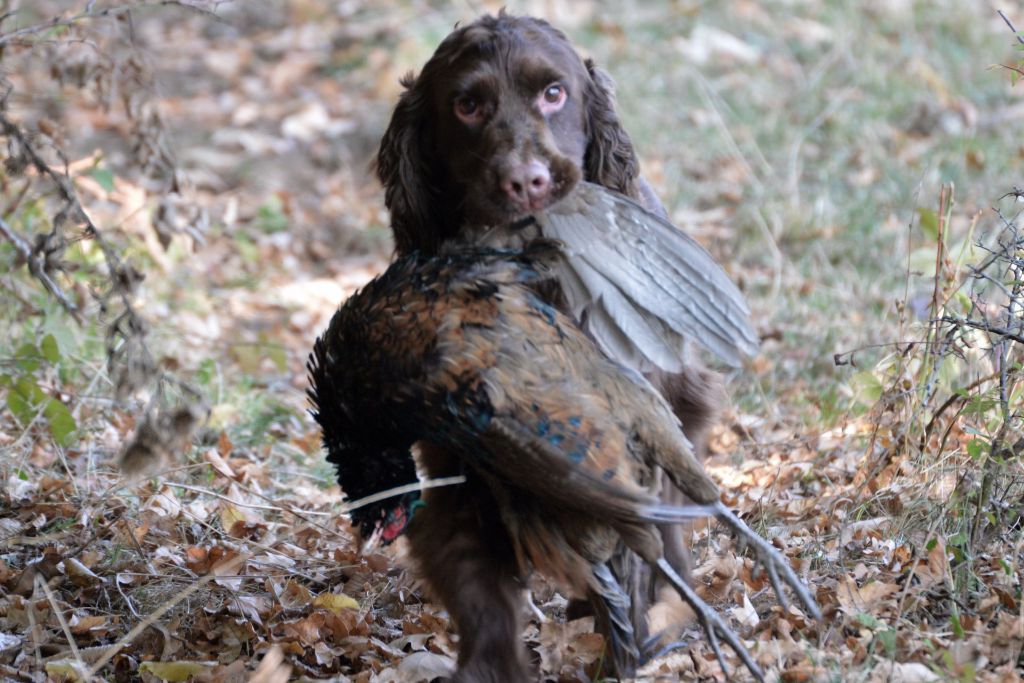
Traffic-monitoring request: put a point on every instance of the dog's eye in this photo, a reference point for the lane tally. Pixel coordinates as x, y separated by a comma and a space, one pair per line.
552, 98
468, 109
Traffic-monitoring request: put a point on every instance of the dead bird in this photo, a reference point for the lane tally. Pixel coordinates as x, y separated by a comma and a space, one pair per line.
559, 444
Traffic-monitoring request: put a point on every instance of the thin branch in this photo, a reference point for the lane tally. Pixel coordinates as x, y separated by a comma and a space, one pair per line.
1019, 38
962, 395
90, 12
978, 325
1018, 71
61, 180
215, 571
41, 584
35, 263
841, 358
253, 506
981, 275
15, 239
58, 22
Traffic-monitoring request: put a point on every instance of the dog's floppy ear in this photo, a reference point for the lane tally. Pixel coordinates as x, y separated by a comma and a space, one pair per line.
610, 159
404, 168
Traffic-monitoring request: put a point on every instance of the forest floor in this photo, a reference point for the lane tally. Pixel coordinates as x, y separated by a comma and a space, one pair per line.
225, 155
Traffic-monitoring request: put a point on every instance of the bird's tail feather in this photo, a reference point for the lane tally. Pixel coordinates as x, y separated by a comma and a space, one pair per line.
612, 608
676, 514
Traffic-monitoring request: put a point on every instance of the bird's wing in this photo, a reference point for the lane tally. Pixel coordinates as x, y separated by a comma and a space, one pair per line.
626, 332
641, 286
563, 474
526, 393
516, 387
554, 459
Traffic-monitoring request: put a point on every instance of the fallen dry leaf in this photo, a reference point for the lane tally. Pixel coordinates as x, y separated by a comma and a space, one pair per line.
335, 602
856, 600
174, 671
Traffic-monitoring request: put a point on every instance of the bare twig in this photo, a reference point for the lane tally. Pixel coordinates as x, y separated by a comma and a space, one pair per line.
215, 573
848, 357
91, 12
940, 251
983, 325
251, 506
36, 265
962, 396
1019, 38
40, 584
59, 179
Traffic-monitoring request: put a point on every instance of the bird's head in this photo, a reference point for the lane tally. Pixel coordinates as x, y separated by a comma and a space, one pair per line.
376, 482
372, 459
384, 521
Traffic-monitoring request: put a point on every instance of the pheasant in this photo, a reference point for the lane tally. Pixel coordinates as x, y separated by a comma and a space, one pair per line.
646, 292
561, 447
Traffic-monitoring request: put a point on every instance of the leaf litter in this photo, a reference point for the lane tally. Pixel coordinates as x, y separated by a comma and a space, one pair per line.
233, 563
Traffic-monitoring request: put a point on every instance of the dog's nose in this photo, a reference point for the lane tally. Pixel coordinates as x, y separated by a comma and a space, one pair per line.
528, 185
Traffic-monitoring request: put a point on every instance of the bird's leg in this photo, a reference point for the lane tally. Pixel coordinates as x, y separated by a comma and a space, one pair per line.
774, 563
772, 560
710, 620
648, 651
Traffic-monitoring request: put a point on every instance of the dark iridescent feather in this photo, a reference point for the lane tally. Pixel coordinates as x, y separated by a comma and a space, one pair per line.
369, 456
457, 353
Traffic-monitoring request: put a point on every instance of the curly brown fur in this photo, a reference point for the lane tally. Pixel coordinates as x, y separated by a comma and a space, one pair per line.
463, 552
445, 173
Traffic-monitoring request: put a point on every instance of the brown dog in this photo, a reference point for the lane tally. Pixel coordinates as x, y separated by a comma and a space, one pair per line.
504, 120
